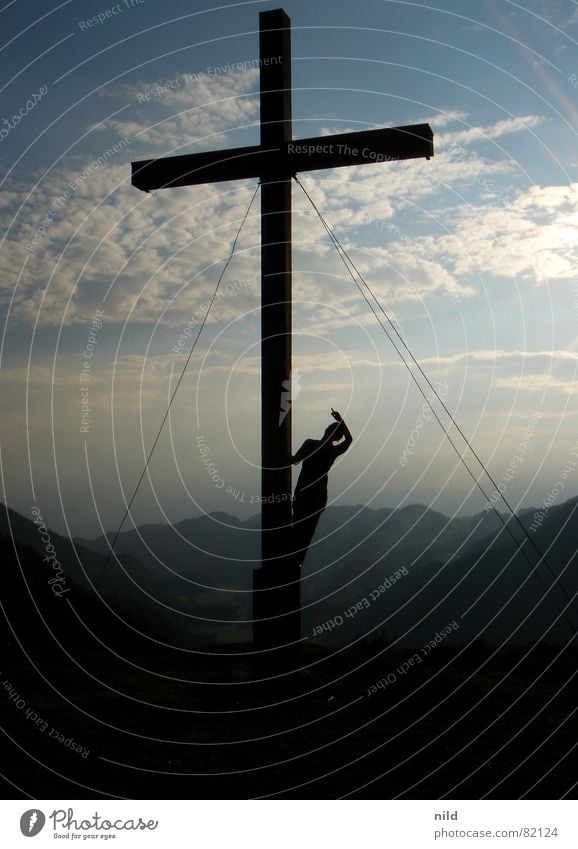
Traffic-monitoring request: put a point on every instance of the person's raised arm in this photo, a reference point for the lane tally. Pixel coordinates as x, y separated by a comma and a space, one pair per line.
344, 432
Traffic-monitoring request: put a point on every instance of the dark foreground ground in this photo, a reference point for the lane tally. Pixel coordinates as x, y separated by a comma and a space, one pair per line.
88, 708
460, 725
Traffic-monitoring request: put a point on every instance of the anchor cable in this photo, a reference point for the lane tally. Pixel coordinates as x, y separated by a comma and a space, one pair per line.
349, 264
179, 381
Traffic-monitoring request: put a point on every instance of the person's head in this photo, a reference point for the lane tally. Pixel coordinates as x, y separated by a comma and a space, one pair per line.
331, 433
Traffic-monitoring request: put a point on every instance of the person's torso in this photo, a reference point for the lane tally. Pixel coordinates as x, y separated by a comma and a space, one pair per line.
315, 467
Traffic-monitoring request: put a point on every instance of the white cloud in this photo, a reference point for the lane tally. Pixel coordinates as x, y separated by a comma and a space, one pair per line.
159, 256
537, 383
444, 117
195, 111
533, 238
508, 369
492, 356
492, 131
572, 21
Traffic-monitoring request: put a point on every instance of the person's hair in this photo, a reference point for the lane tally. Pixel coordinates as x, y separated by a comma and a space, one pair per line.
331, 432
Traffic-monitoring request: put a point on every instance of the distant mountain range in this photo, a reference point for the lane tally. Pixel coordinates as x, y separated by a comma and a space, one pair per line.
473, 571
398, 574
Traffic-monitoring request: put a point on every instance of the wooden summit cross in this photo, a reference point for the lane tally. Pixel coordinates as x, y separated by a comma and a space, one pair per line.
276, 587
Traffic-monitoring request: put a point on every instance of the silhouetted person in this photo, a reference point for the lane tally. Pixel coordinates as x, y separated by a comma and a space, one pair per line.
310, 498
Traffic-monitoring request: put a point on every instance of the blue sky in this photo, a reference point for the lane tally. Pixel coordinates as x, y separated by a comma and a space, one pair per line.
473, 253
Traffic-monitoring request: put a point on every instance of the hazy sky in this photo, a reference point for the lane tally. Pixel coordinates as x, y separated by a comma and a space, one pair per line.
472, 253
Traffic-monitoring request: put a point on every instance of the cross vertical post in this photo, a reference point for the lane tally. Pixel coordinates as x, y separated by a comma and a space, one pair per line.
277, 584
276, 590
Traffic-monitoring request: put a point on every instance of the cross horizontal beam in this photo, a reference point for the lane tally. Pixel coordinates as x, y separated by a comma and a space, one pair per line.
242, 163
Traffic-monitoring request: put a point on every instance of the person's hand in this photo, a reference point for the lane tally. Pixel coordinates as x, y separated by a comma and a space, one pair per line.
336, 415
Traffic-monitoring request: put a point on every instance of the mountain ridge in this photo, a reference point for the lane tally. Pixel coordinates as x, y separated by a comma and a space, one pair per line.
195, 578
